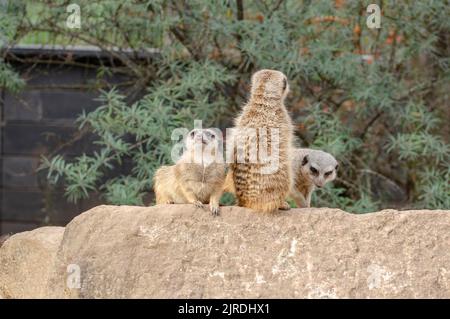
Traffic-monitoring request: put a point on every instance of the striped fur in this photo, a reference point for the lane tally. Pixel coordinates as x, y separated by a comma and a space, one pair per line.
265, 109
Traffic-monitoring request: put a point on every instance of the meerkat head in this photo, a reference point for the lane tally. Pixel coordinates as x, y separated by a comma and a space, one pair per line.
206, 142
200, 137
319, 167
269, 84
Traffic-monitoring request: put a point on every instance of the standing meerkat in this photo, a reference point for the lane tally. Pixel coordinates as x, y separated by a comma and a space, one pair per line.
263, 114
193, 179
312, 168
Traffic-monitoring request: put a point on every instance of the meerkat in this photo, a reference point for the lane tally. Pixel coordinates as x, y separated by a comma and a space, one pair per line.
192, 180
264, 113
312, 168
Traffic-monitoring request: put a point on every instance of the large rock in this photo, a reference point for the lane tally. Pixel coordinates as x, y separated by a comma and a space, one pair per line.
26, 262
178, 251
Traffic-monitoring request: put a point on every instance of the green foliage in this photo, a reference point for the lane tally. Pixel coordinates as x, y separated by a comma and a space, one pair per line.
140, 132
9, 80
433, 186
375, 98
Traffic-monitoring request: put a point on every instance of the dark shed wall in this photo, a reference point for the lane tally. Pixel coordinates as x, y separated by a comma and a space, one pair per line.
38, 121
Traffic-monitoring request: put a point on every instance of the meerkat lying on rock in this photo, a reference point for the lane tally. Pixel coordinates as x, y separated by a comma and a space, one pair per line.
197, 177
312, 168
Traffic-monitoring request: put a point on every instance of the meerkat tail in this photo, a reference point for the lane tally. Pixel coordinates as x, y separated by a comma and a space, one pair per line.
263, 207
228, 186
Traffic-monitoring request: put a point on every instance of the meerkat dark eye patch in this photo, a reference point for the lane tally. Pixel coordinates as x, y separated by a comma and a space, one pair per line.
328, 173
313, 170
305, 160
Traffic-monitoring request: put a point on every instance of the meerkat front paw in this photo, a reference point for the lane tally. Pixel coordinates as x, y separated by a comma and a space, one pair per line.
198, 204
170, 202
215, 210
285, 206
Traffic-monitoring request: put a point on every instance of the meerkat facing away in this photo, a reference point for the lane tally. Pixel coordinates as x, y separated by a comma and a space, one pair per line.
312, 168
265, 111
193, 180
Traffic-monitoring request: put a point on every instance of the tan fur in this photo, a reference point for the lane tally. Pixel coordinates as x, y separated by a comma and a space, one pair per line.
302, 190
190, 183
265, 109
228, 186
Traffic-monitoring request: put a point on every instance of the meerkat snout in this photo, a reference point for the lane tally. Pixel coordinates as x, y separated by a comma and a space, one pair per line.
200, 136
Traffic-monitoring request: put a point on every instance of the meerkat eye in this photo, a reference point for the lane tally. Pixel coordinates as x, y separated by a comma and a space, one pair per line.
192, 134
313, 170
328, 173
209, 135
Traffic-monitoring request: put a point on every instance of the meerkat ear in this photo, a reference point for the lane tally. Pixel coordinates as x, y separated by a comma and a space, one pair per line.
337, 166
305, 160
284, 84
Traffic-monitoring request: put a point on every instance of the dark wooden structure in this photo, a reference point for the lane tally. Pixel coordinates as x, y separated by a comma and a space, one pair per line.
40, 120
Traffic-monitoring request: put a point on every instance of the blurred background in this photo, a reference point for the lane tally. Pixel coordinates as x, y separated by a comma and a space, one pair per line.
90, 92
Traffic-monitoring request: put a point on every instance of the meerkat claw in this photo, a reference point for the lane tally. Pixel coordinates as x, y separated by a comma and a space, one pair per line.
285, 206
198, 204
215, 210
